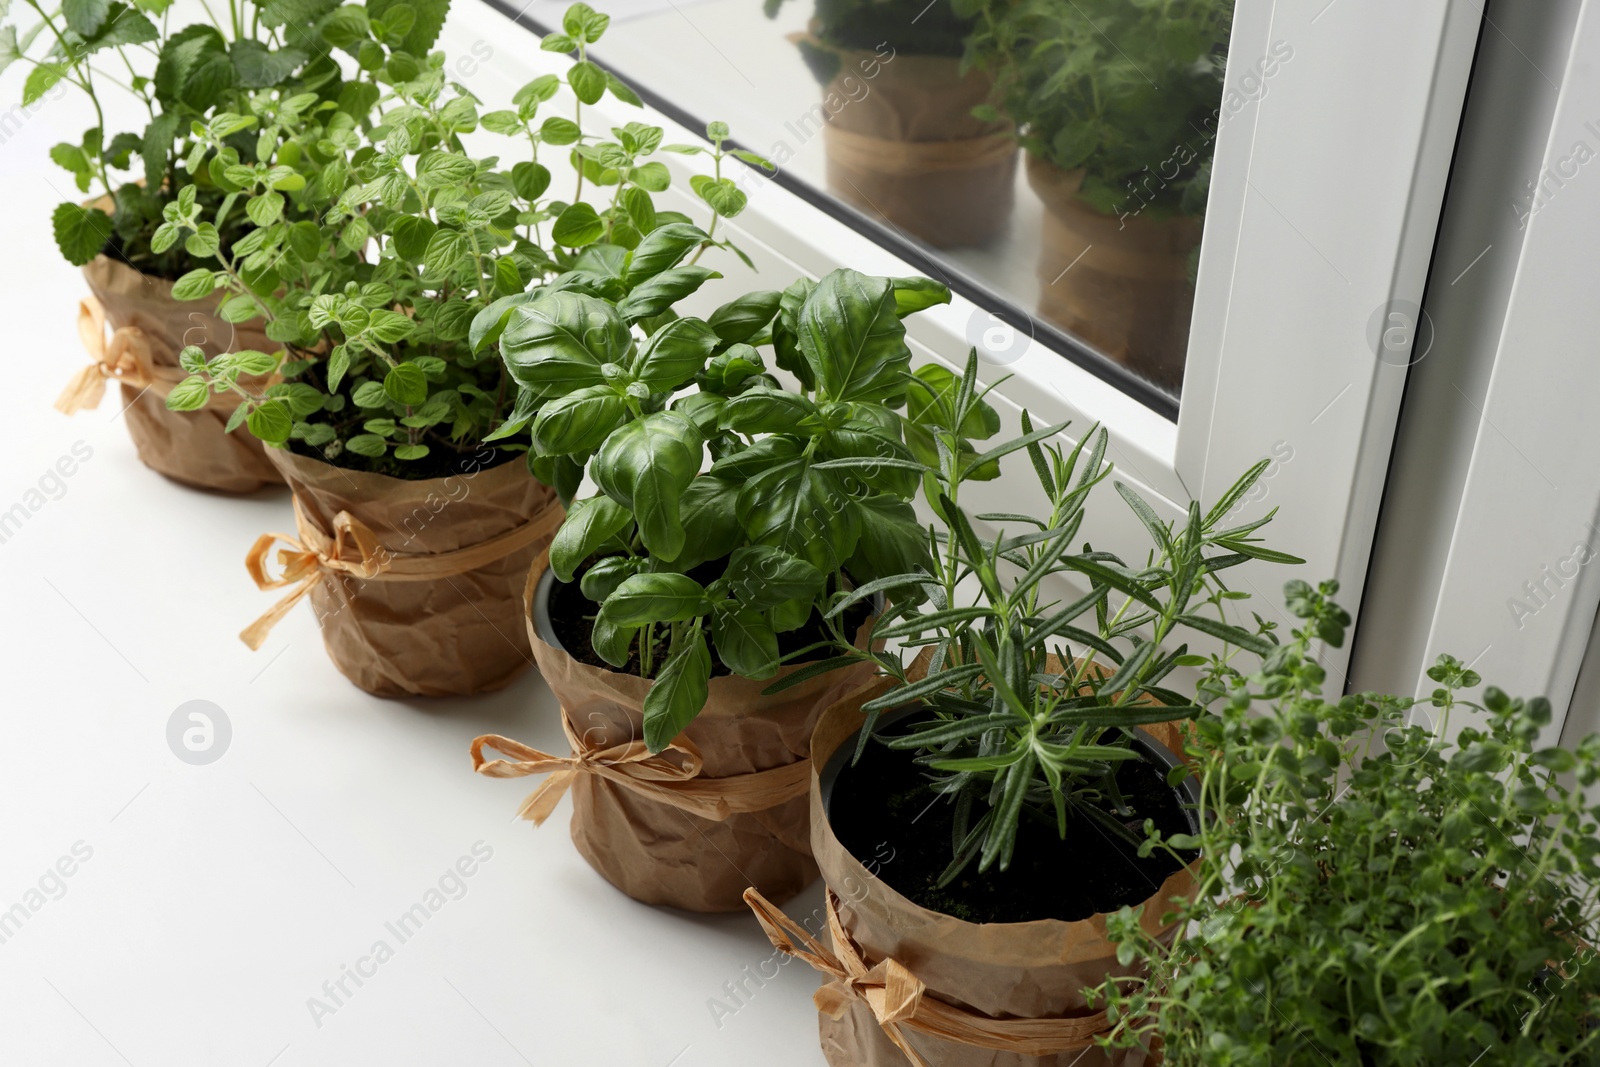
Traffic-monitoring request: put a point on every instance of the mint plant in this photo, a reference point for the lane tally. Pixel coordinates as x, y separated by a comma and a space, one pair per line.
184, 77
1123, 90
1368, 892
771, 497
1026, 700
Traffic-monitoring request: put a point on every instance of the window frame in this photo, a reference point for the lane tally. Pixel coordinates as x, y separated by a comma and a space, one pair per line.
1279, 364
1532, 490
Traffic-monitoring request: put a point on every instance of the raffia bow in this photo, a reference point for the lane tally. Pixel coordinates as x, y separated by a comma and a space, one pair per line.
897, 997
671, 776
355, 550
125, 357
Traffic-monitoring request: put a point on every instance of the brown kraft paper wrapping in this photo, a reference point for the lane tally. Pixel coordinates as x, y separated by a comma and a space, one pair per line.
1120, 283
910, 150
1013, 971
191, 447
658, 853
454, 635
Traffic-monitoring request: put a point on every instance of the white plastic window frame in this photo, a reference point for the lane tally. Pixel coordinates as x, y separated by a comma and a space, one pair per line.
1521, 586
1328, 179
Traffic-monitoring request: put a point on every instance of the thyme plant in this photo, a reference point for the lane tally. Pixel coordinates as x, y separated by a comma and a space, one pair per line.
1369, 893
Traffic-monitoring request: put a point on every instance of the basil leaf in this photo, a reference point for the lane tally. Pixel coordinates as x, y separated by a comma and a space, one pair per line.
745, 641
853, 340
802, 510
657, 598
758, 411
579, 421
709, 512
589, 525
762, 576
674, 354
679, 692
646, 466
561, 340
743, 318
662, 248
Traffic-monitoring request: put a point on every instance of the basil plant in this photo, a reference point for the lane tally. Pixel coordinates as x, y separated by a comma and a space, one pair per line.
1029, 693
379, 237
728, 506
184, 77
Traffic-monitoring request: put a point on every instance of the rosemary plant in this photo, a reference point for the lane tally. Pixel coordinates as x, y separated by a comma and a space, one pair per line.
1028, 696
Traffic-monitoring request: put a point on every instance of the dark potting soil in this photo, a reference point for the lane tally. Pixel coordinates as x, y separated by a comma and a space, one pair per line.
572, 617
884, 802
440, 462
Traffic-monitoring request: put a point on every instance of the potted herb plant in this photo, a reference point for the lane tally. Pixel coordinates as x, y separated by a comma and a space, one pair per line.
1116, 104
1005, 771
725, 515
1369, 892
416, 524
897, 116
186, 78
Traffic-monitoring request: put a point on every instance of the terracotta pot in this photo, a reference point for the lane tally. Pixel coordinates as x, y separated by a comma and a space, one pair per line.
438, 612
659, 852
1039, 970
903, 145
1121, 284
191, 447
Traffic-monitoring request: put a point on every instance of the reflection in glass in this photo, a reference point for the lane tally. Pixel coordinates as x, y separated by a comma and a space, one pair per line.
915, 113
1116, 103
903, 137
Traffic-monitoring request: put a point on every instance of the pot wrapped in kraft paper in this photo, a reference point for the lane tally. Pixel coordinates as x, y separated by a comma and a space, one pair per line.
906, 985
902, 144
721, 808
417, 585
149, 329
1120, 283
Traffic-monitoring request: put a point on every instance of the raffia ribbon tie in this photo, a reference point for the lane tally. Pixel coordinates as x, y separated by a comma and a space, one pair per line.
631, 764
126, 357
671, 776
355, 550
897, 997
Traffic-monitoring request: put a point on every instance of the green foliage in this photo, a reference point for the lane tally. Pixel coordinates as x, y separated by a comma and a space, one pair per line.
728, 507
721, 193
1028, 697
907, 27
377, 240
1369, 892
183, 78
1124, 89
886, 28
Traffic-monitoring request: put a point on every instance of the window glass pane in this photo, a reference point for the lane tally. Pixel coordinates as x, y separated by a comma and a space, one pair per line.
1049, 158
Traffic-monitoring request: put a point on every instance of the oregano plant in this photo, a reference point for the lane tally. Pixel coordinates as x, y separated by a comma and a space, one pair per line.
379, 239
